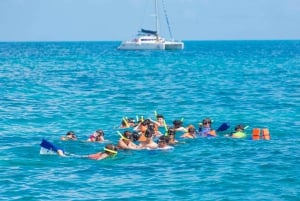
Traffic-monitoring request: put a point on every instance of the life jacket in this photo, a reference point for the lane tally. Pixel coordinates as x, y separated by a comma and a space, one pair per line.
265, 134
238, 135
142, 138
208, 132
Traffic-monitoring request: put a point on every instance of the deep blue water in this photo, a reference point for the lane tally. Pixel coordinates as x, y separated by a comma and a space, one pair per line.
49, 88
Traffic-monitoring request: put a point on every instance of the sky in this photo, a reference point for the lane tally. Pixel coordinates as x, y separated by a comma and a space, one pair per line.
116, 20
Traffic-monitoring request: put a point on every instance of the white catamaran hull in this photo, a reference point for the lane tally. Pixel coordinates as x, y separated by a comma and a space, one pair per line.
130, 45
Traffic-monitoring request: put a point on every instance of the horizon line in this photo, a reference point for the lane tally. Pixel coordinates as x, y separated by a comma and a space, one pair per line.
191, 40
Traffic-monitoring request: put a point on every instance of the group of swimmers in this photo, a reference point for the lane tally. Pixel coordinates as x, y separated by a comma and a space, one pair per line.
142, 134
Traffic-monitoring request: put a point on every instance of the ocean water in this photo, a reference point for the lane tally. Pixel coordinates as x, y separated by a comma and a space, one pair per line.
49, 88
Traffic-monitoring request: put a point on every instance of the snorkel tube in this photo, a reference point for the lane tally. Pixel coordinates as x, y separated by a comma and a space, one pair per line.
166, 127
122, 137
125, 121
110, 151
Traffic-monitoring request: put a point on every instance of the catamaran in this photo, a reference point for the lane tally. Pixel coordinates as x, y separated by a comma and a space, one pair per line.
151, 40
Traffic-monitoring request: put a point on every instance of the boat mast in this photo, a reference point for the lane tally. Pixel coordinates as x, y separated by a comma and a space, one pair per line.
156, 18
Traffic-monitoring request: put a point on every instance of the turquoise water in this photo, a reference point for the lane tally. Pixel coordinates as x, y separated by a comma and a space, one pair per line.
50, 88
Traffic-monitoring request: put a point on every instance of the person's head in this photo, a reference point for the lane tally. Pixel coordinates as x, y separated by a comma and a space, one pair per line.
71, 135
191, 130
239, 128
99, 135
171, 131
177, 123
100, 132
152, 128
135, 136
206, 123
146, 122
127, 136
160, 118
110, 149
148, 134
163, 141
124, 123
171, 134
144, 126
131, 121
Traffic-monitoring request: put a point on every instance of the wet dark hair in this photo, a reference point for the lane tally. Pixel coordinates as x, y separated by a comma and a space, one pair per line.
100, 132
110, 148
206, 120
135, 136
71, 133
127, 135
240, 126
130, 120
124, 122
159, 116
171, 131
163, 139
177, 123
146, 122
151, 128
148, 133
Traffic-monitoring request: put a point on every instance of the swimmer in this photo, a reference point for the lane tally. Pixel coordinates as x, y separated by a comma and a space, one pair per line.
148, 143
97, 136
126, 141
238, 132
191, 132
109, 151
171, 136
160, 120
69, 136
163, 142
205, 128
49, 147
127, 123
178, 126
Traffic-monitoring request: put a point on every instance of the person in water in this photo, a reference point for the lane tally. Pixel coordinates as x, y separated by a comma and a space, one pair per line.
160, 120
205, 128
50, 147
110, 150
70, 135
177, 126
171, 135
163, 142
239, 132
191, 132
141, 129
127, 123
97, 136
126, 141
148, 143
